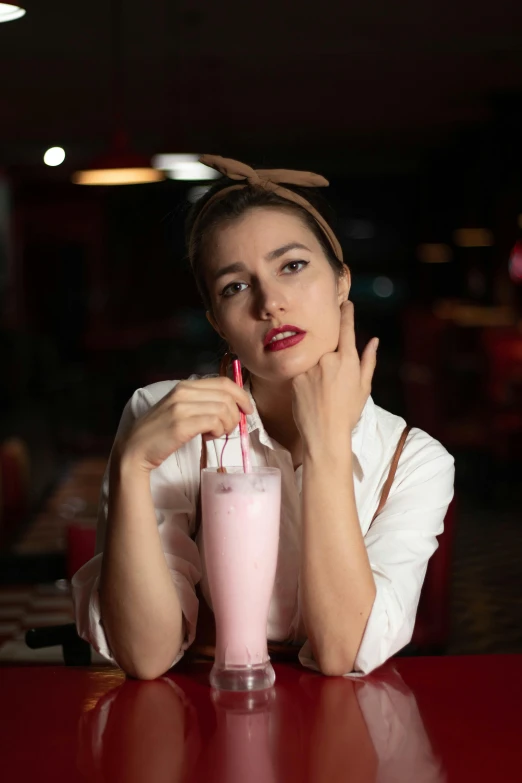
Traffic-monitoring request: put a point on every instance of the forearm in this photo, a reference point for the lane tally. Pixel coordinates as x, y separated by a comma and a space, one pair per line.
337, 585
140, 610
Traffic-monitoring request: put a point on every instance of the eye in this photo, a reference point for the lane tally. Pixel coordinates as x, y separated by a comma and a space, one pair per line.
228, 291
296, 262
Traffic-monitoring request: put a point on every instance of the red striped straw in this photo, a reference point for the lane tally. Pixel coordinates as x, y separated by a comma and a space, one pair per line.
245, 450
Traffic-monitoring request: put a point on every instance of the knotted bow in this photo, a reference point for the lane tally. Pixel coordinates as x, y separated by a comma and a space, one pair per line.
269, 179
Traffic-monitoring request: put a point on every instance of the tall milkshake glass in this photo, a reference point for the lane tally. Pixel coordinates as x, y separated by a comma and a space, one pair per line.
240, 523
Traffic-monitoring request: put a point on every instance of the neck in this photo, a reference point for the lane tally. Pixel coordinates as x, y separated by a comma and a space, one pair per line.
274, 405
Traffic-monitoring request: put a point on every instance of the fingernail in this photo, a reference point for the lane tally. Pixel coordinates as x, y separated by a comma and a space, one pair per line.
376, 343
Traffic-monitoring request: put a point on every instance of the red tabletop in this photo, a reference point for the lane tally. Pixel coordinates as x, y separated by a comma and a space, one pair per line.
417, 720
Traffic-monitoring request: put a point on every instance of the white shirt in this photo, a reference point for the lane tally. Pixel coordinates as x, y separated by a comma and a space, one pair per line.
399, 543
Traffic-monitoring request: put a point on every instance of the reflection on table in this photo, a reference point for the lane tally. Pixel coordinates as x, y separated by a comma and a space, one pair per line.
454, 718
322, 730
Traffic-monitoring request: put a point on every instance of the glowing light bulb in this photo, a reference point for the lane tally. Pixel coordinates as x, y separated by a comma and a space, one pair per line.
9, 12
184, 167
54, 156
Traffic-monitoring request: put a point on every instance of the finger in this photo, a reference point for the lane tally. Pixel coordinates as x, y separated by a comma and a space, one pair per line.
228, 415
196, 425
185, 414
240, 395
209, 426
369, 362
347, 329
220, 384
210, 396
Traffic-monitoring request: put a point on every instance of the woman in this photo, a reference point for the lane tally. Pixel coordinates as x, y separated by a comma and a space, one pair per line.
350, 566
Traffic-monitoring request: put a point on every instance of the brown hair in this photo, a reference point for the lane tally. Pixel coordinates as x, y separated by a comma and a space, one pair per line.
235, 204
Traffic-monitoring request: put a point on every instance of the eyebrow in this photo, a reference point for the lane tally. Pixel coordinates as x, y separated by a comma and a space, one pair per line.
239, 266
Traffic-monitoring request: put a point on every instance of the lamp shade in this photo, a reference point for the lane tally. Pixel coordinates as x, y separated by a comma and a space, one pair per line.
119, 166
9, 12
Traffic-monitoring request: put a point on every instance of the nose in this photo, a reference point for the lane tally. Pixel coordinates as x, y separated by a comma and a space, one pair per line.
270, 298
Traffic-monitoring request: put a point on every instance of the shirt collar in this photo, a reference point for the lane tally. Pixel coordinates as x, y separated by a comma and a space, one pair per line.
363, 434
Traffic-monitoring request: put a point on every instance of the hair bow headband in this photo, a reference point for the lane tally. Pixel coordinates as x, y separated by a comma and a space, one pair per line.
269, 179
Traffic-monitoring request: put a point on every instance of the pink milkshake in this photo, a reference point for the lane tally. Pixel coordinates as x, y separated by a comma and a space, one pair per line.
240, 513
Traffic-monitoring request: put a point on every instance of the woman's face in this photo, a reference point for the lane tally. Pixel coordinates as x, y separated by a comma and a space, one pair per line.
273, 283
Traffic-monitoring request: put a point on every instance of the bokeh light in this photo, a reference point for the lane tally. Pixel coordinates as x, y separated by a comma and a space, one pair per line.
184, 167
9, 12
515, 263
54, 156
434, 253
383, 287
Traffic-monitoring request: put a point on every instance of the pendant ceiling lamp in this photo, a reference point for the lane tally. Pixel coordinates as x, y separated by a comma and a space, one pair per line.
120, 164
9, 12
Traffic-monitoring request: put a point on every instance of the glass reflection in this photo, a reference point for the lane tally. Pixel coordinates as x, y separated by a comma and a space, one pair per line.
307, 728
240, 749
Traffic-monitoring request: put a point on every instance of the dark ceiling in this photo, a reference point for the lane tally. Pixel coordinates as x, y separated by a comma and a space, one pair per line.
234, 77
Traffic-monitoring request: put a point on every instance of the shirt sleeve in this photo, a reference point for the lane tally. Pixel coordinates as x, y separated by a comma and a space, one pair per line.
175, 514
399, 544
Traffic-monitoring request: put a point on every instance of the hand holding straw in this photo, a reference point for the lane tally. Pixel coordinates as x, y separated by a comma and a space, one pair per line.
245, 451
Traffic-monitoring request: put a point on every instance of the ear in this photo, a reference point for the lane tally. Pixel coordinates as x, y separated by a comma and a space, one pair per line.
212, 321
344, 284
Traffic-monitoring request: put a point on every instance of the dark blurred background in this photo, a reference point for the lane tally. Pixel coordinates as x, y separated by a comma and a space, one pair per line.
414, 113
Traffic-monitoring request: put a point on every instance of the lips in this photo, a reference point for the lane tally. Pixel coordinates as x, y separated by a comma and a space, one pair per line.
285, 342
285, 328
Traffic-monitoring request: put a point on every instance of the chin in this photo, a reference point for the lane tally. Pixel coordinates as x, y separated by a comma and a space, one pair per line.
287, 369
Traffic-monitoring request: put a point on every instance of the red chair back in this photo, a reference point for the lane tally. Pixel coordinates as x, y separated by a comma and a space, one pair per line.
423, 336
432, 626
81, 543
14, 479
503, 349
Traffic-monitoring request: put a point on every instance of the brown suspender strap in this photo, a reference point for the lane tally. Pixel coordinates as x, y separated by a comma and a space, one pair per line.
391, 475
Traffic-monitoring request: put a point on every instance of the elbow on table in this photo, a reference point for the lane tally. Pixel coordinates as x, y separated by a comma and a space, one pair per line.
335, 665
146, 669
340, 666
335, 671
145, 672
141, 665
